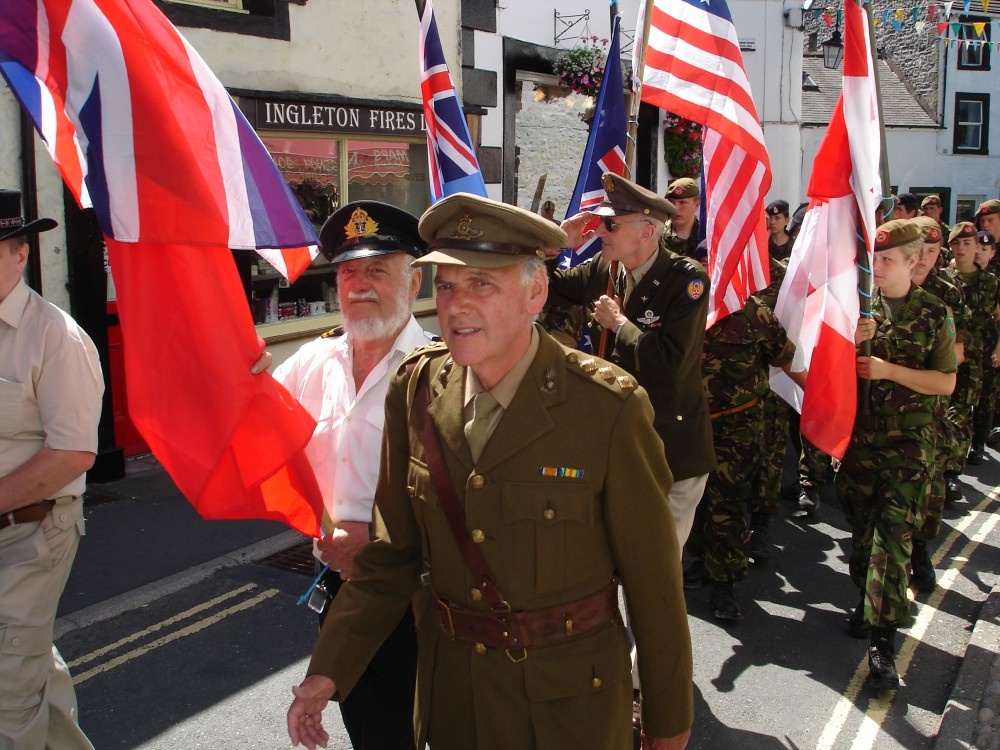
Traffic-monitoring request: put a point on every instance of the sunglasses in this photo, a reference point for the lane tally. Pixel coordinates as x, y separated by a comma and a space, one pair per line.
610, 225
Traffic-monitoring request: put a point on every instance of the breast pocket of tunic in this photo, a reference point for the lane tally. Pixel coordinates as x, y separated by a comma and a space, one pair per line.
551, 533
16, 403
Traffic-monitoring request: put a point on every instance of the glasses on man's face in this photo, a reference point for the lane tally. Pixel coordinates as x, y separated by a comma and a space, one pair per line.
610, 225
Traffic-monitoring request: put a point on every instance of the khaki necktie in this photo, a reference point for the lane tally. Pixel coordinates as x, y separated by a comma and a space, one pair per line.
629, 288
477, 431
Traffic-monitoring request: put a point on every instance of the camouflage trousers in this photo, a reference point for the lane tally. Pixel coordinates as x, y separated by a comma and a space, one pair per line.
721, 534
983, 414
882, 484
774, 440
968, 386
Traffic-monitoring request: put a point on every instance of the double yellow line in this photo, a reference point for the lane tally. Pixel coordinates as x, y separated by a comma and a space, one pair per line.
878, 706
191, 629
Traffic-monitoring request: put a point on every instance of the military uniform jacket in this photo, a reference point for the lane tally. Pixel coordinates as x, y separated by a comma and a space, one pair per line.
660, 346
687, 247
938, 284
548, 540
980, 289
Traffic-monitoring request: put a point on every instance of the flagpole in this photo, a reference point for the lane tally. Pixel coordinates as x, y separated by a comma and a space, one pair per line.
633, 117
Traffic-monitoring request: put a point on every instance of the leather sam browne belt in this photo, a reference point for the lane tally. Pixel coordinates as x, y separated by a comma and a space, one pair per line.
27, 514
529, 629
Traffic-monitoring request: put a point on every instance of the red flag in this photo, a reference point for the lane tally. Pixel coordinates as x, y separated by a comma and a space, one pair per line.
145, 134
694, 68
818, 301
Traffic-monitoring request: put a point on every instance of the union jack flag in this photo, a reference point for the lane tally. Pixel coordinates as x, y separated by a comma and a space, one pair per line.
605, 150
450, 156
694, 68
142, 131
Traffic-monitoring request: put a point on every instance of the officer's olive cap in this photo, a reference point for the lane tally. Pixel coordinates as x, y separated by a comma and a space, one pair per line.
468, 230
895, 233
929, 199
962, 229
363, 229
622, 196
775, 208
988, 207
930, 230
683, 187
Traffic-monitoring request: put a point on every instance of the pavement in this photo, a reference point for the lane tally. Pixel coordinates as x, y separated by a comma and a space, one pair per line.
145, 541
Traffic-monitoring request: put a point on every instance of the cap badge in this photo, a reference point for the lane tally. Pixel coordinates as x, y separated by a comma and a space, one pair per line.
881, 237
933, 234
360, 225
465, 230
679, 190
608, 183
968, 229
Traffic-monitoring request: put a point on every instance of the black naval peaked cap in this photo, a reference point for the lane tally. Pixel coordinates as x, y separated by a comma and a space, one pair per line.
623, 196
364, 229
12, 223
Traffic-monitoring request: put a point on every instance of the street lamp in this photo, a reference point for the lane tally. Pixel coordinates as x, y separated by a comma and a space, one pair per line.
833, 50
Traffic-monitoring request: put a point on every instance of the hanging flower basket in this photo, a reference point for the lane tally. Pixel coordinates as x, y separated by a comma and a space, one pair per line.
582, 67
681, 146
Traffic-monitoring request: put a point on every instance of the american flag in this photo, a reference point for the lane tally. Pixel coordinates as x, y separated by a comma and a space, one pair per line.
694, 68
450, 155
141, 130
605, 150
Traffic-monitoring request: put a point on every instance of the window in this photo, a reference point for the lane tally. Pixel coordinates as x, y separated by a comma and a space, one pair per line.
965, 207
268, 19
974, 50
389, 170
944, 193
972, 123
233, 5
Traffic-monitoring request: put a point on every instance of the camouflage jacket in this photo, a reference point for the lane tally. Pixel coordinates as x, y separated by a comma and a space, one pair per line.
737, 352
909, 339
769, 294
944, 288
981, 290
686, 247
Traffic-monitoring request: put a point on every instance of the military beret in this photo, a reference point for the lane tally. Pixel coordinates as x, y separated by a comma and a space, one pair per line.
962, 229
988, 207
622, 196
930, 230
775, 208
362, 229
895, 233
907, 199
931, 200
684, 187
468, 230
985, 238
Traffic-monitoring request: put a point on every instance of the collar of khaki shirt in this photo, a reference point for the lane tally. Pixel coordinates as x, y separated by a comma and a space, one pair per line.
506, 389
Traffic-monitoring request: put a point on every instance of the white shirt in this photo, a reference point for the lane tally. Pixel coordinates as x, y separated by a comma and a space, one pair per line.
50, 383
346, 445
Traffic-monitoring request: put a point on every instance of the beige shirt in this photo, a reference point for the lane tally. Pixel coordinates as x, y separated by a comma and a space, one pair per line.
50, 383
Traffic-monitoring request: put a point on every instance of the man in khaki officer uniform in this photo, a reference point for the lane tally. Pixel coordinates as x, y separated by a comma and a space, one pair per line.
656, 325
681, 234
50, 403
483, 468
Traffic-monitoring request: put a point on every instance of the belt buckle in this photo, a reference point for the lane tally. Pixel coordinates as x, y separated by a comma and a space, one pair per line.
446, 622
517, 659
502, 612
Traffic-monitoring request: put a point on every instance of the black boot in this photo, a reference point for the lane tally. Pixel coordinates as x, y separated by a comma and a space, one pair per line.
724, 602
881, 660
808, 503
975, 456
857, 626
922, 576
760, 547
994, 439
952, 488
693, 575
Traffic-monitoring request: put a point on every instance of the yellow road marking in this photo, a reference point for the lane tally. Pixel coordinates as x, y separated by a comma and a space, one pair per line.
877, 707
189, 630
160, 625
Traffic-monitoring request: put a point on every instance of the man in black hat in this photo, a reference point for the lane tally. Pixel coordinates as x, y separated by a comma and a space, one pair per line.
779, 242
341, 379
50, 403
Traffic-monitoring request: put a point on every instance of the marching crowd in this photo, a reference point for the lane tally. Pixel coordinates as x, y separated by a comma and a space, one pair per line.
487, 493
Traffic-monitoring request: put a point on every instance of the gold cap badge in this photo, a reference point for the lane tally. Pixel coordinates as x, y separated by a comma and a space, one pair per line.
360, 225
465, 230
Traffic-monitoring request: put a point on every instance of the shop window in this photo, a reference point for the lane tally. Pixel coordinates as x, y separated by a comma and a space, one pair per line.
972, 123
267, 19
966, 205
324, 172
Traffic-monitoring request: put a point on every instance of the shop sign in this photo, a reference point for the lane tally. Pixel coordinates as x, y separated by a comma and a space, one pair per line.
338, 118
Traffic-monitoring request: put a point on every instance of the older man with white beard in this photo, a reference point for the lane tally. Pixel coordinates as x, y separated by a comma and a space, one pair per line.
341, 379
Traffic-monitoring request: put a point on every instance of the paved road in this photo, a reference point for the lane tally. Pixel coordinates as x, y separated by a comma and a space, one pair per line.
211, 663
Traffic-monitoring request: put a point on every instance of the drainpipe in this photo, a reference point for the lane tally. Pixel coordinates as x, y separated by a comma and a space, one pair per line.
29, 196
